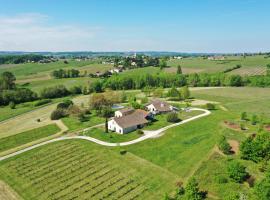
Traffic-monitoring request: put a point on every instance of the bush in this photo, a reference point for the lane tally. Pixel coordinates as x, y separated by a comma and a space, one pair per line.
210, 106
76, 90
224, 146
140, 132
54, 92
65, 104
237, 172
123, 151
221, 179
58, 114
12, 105
172, 117
42, 102
243, 116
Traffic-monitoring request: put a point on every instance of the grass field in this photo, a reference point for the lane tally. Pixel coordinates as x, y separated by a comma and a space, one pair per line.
252, 100
191, 65
72, 169
10, 142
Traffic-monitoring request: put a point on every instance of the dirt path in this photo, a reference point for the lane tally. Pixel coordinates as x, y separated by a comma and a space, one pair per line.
235, 145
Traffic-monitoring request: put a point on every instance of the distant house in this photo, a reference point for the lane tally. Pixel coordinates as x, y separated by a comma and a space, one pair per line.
156, 106
178, 57
116, 70
127, 120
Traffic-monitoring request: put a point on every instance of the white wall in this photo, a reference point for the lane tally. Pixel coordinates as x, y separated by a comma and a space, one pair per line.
118, 114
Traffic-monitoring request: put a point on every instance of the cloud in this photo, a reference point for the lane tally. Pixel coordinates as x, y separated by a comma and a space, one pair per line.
31, 32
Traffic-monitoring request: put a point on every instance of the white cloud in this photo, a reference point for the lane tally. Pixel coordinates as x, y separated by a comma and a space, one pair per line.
30, 32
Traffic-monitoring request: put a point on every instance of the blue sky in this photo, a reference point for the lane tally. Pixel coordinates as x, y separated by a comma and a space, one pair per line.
129, 25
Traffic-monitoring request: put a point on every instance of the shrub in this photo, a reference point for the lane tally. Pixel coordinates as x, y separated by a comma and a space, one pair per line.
221, 179
65, 104
76, 90
42, 102
254, 119
12, 105
139, 132
123, 151
82, 117
237, 172
224, 146
58, 114
243, 116
54, 92
210, 106
172, 117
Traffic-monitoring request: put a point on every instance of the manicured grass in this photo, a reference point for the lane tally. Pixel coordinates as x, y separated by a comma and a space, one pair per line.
113, 137
70, 169
181, 148
10, 142
74, 124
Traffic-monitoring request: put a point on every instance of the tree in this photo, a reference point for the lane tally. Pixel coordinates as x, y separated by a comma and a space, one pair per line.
58, 114
223, 145
268, 70
65, 104
179, 70
98, 102
174, 93
106, 113
96, 86
237, 171
158, 92
192, 190
185, 92
162, 64
7, 81
172, 117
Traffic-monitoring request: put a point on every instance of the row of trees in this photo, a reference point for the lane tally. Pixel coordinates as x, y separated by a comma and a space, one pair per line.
69, 73
17, 59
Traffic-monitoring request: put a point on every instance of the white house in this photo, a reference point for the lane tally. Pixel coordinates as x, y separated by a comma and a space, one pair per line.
156, 106
128, 120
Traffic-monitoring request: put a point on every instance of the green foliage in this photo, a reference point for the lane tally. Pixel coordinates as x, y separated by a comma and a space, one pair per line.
185, 93
237, 172
19, 95
262, 189
54, 92
223, 145
96, 86
69, 73
179, 70
158, 92
172, 117
58, 114
139, 132
256, 149
75, 90
254, 119
244, 116
17, 59
65, 104
210, 106
174, 93
192, 190
12, 105
42, 102
7, 81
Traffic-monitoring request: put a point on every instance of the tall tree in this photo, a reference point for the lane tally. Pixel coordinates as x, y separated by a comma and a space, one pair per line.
7, 81
185, 92
179, 69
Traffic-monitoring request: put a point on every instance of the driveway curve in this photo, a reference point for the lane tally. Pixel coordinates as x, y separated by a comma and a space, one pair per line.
147, 135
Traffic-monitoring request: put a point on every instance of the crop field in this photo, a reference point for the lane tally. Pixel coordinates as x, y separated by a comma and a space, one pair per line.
28, 136
249, 71
6, 193
212, 66
76, 170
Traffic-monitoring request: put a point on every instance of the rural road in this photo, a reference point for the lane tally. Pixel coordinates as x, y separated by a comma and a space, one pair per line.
147, 135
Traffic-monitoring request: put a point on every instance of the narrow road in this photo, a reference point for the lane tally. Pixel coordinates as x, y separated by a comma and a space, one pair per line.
147, 135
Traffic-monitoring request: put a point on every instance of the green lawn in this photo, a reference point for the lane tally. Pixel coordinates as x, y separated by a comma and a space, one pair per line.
28, 136
181, 148
113, 137
74, 124
71, 169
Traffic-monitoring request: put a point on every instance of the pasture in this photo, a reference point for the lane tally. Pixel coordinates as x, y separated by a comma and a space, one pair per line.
79, 169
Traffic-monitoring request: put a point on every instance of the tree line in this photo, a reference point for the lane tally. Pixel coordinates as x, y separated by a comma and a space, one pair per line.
69, 73
17, 59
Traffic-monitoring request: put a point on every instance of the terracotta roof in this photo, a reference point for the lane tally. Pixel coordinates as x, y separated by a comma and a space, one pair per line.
135, 118
160, 105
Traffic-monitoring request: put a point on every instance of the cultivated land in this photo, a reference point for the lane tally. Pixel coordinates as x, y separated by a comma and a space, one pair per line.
78, 169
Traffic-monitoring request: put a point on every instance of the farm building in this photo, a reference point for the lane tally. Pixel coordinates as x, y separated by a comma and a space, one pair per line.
156, 106
127, 120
